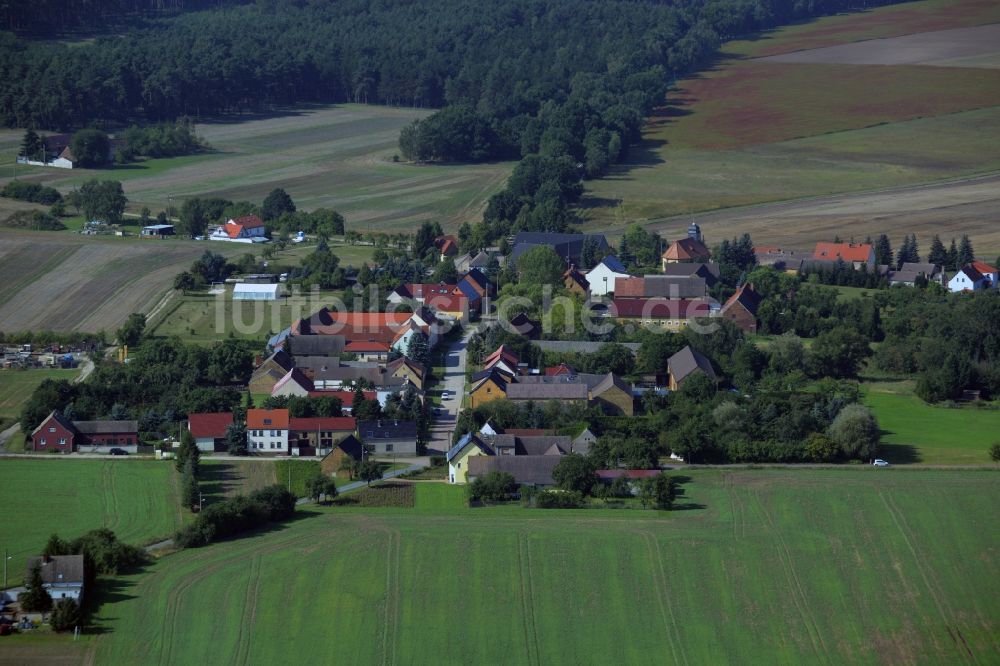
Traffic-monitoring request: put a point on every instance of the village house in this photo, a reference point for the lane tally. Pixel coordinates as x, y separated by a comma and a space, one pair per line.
575, 282
246, 229
668, 313
686, 363
57, 433
410, 371
688, 250
989, 272
267, 431
63, 576
533, 471
388, 436
307, 346
458, 456
491, 386
741, 308
909, 273
968, 278
602, 277
855, 254
447, 246
317, 435
662, 286
502, 359
350, 448
209, 430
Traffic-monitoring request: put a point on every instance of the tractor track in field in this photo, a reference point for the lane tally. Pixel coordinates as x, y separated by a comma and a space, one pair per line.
795, 585
249, 614
930, 582
391, 609
663, 598
111, 493
527, 607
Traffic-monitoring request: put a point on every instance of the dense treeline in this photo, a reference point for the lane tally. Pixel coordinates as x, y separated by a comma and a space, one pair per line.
48, 16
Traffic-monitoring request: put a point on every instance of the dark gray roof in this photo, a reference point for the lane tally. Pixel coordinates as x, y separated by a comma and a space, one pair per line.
467, 439
565, 391
709, 271
104, 427
565, 245
686, 361
282, 359
530, 470
614, 263
59, 568
588, 379
928, 270
675, 286
387, 429
352, 446
582, 347
610, 380
543, 445
316, 345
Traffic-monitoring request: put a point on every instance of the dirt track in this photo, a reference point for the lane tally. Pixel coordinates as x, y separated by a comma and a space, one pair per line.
964, 206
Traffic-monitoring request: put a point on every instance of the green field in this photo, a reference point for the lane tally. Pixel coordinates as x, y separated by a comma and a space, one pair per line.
917, 432
751, 131
338, 157
16, 386
804, 566
139, 500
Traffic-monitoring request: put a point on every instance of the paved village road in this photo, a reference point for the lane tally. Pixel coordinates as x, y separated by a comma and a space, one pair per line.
453, 382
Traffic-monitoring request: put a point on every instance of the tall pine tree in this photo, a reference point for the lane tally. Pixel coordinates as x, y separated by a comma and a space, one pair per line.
938, 255
966, 255
952, 257
883, 251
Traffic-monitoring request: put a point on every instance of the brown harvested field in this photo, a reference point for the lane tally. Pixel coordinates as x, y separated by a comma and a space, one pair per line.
965, 206
753, 102
979, 45
891, 21
66, 282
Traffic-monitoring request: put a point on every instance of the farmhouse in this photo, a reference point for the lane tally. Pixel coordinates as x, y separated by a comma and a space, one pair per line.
386, 436
968, 278
348, 448
209, 430
662, 286
856, 254
502, 359
245, 291
741, 308
316, 436
62, 575
527, 470
665, 312
57, 433
267, 431
910, 272
246, 229
602, 277
686, 363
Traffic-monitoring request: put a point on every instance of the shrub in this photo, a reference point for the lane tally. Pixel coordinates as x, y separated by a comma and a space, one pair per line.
559, 499
620, 487
35, 220
856, 432
995, 452
65, 616
493, 487
33, 192
103, 552
438, 461
239, 514
574, 472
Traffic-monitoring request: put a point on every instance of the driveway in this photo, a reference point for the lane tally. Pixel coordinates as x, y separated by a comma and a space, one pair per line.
453, 381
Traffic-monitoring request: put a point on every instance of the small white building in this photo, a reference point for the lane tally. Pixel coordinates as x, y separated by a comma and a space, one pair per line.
968, 279
602, 277
245, 291
158, 230
62, 575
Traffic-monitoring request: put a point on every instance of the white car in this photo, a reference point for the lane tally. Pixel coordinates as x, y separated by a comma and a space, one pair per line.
880, 463
445, 395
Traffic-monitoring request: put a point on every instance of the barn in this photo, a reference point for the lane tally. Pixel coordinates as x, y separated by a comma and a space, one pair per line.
245, 291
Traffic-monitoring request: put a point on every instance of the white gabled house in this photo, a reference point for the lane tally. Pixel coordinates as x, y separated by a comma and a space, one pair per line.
246, 229
602, 277
968, 279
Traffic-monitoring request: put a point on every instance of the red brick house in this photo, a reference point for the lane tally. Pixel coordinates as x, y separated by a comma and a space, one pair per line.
57, 433
741, 308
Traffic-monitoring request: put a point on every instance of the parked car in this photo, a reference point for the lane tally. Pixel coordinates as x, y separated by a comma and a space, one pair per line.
118, 452
445, 395
880, 463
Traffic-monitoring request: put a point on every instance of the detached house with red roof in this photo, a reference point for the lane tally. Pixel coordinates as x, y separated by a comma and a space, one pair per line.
246, 229
58, 433
209, 430
267, 431
741, 308
856, 254
971, 278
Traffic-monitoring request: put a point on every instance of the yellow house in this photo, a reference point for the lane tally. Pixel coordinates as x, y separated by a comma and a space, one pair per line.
404, 368
458, 457
486, 388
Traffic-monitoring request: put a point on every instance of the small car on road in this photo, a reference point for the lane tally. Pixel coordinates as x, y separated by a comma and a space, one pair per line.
118, 452
880, 463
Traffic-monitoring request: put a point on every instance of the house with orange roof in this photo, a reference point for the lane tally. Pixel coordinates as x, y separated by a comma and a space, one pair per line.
988, 272
856, 254
267, 431
741, 308
246, 229
502, 359
447, 245
686, 251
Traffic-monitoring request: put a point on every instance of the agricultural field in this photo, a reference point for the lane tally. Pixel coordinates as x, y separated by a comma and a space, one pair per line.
16, 386
338, 157
137, 499
61, 281
221, 479
914, 431
754, 130
743, 573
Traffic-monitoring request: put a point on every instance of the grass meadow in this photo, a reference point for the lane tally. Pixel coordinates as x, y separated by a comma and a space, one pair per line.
16, 386
137, 499
758, 566
914, 431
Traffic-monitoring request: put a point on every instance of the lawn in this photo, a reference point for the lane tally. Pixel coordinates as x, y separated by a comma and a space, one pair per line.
918, 432
139, 500
803, 566
16, 386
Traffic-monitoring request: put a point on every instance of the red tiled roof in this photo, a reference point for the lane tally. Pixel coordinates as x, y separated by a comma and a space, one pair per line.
686, 249
233, 230
561, 369
249, 221
983, 268
209, 424
448, 302
263, 419
845, 251
746, 296
660, 308
365, 346
346, 423
501, 353
632, 287
346, 397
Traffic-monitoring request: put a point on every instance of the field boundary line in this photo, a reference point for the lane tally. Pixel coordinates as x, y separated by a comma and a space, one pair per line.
527, 607
944, 610
795, 585
391, 597
663, 597
249, 613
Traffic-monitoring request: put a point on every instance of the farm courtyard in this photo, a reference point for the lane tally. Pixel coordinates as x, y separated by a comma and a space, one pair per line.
754, 566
